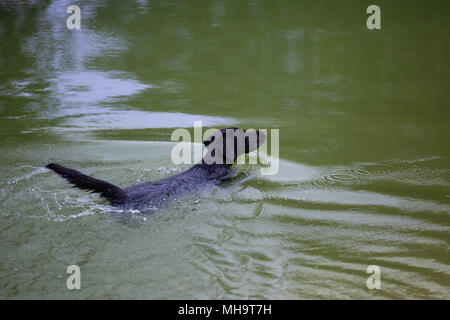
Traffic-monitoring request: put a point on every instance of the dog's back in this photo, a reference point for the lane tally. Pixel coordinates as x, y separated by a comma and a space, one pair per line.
156, 193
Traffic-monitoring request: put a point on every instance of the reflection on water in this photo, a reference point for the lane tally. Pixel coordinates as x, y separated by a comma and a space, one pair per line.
82, 94
364, 169
114, 119
92, 88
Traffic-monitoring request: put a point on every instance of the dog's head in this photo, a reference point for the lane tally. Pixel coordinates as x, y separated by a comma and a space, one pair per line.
225, 145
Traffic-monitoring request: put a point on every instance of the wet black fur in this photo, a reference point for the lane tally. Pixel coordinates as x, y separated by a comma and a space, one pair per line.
152, 194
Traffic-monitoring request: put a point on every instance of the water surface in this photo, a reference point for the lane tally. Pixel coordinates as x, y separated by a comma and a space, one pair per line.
364, 159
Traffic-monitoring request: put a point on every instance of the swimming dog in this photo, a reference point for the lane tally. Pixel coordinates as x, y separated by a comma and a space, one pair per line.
214, 168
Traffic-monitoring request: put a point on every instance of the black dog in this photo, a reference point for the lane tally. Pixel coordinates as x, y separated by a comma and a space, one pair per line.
213, 169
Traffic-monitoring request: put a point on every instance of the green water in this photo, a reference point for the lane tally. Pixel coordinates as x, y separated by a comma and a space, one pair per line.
363, 117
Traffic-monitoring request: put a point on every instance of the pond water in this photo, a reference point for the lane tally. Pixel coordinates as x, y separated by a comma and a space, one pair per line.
363, 118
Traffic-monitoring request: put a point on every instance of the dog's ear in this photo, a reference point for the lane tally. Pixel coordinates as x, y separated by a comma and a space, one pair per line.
208, 141
254, 139
220, 132
212, 138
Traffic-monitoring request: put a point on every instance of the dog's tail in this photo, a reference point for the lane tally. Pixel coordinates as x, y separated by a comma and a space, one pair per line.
107, 190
